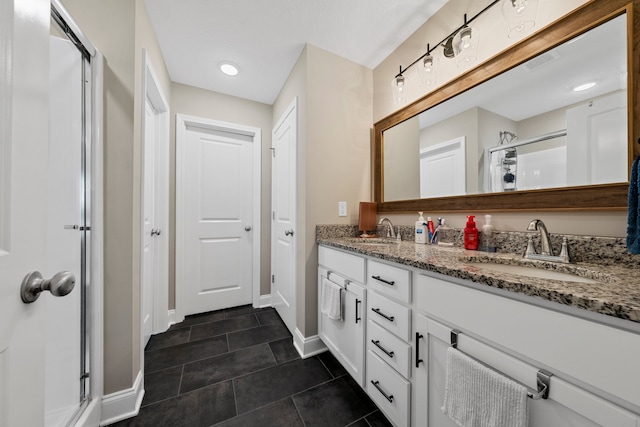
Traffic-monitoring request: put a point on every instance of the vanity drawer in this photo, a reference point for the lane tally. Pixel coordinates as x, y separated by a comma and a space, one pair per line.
390, 348
389, 280
342, 263
388, 390
391, 315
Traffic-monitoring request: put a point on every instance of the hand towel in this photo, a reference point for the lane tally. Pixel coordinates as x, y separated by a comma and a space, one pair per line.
633, 222
331, 303
476, 396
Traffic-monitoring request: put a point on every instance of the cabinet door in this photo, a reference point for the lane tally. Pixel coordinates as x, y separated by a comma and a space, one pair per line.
345, 338
430, 379
429, 375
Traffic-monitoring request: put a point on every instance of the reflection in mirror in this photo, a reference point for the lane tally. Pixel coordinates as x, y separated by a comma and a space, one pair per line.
542, 124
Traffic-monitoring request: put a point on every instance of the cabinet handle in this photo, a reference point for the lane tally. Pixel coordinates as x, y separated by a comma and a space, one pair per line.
357, 303
377, 344
379, 313
375, 384
418, 360
379, 279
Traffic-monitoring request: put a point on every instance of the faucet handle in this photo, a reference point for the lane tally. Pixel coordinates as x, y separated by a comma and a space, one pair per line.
564, 252
530, 249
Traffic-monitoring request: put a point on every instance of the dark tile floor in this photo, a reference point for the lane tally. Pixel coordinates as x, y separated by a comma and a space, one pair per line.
238, 367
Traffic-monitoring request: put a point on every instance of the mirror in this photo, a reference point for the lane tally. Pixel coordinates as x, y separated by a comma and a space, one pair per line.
475, 143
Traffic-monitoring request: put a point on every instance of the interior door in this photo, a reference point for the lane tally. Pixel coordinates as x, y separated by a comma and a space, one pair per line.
218, 191
24, 86
149, 233
283, 246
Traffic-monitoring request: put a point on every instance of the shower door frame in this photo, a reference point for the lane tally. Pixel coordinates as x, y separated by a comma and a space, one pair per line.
88, 411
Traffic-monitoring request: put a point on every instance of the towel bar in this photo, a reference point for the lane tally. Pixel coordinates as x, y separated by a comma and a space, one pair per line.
543, 378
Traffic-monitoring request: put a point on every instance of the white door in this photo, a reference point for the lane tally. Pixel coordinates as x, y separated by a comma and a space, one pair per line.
283, 247
24, 87
216, 223
443, 169
596, 134
154, 280
149, 233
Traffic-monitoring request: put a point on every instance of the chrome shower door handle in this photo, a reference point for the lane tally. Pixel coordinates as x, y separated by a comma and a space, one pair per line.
288, 232
33, 284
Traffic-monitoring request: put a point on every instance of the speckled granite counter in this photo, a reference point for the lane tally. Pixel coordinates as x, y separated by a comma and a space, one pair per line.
616, 292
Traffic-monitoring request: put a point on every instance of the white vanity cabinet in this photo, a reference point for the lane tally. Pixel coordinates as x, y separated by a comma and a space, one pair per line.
344, 337
596, 368
388, 340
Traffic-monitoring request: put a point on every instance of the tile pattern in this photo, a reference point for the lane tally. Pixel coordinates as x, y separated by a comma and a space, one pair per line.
238, 367
617, 293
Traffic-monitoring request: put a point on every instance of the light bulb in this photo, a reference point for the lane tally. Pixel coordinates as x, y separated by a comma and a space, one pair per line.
519, 6
465, 38
428, 63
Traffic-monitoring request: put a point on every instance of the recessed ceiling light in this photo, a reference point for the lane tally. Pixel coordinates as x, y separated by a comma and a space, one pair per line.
229, 68
584, 86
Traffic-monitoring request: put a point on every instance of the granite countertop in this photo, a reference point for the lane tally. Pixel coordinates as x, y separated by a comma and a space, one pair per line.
616, 291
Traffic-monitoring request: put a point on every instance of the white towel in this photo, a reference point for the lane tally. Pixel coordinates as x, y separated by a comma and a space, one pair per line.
476, 396
331, 303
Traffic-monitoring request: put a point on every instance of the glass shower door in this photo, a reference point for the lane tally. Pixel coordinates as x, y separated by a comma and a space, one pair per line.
67, 373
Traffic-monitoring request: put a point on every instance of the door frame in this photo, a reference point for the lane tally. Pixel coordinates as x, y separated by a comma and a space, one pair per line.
151, 90
182, 122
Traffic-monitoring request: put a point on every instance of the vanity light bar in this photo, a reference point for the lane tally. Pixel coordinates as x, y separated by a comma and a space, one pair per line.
444, 40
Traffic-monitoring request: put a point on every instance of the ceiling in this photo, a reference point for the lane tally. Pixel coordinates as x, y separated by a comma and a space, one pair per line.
265, 37
599, 55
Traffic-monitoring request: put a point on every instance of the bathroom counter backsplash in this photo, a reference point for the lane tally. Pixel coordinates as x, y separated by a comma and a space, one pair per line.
616, 294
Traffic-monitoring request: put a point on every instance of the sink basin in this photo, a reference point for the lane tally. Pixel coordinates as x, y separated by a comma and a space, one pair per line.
532, 271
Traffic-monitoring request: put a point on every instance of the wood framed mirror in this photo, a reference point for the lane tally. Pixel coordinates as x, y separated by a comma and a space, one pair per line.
611, 196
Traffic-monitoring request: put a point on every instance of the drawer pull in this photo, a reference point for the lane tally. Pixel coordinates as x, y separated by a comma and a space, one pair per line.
379, 313
418, 360
377, 344
357, 303
386, 396
379, 279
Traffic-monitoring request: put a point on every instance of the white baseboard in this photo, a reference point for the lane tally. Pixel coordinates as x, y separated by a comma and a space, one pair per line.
265, 301
308, 347
172, 317
122, 404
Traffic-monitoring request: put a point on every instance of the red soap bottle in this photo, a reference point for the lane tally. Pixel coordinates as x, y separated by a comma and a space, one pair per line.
471, 234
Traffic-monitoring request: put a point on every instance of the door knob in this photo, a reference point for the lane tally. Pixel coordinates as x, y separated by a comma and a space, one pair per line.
155, 232
288, 232
247, 228
59, 285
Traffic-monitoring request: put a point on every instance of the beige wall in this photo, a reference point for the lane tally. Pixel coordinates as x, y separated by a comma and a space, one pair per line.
334, 121
493, 41
192, 101
402, 161
120, 29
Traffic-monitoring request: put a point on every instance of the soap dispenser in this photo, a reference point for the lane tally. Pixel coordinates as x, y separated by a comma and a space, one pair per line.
488, 235
471, 234
421, 230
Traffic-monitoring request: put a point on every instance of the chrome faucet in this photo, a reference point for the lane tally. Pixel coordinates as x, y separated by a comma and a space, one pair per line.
545, 247
546, 251
390, 231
